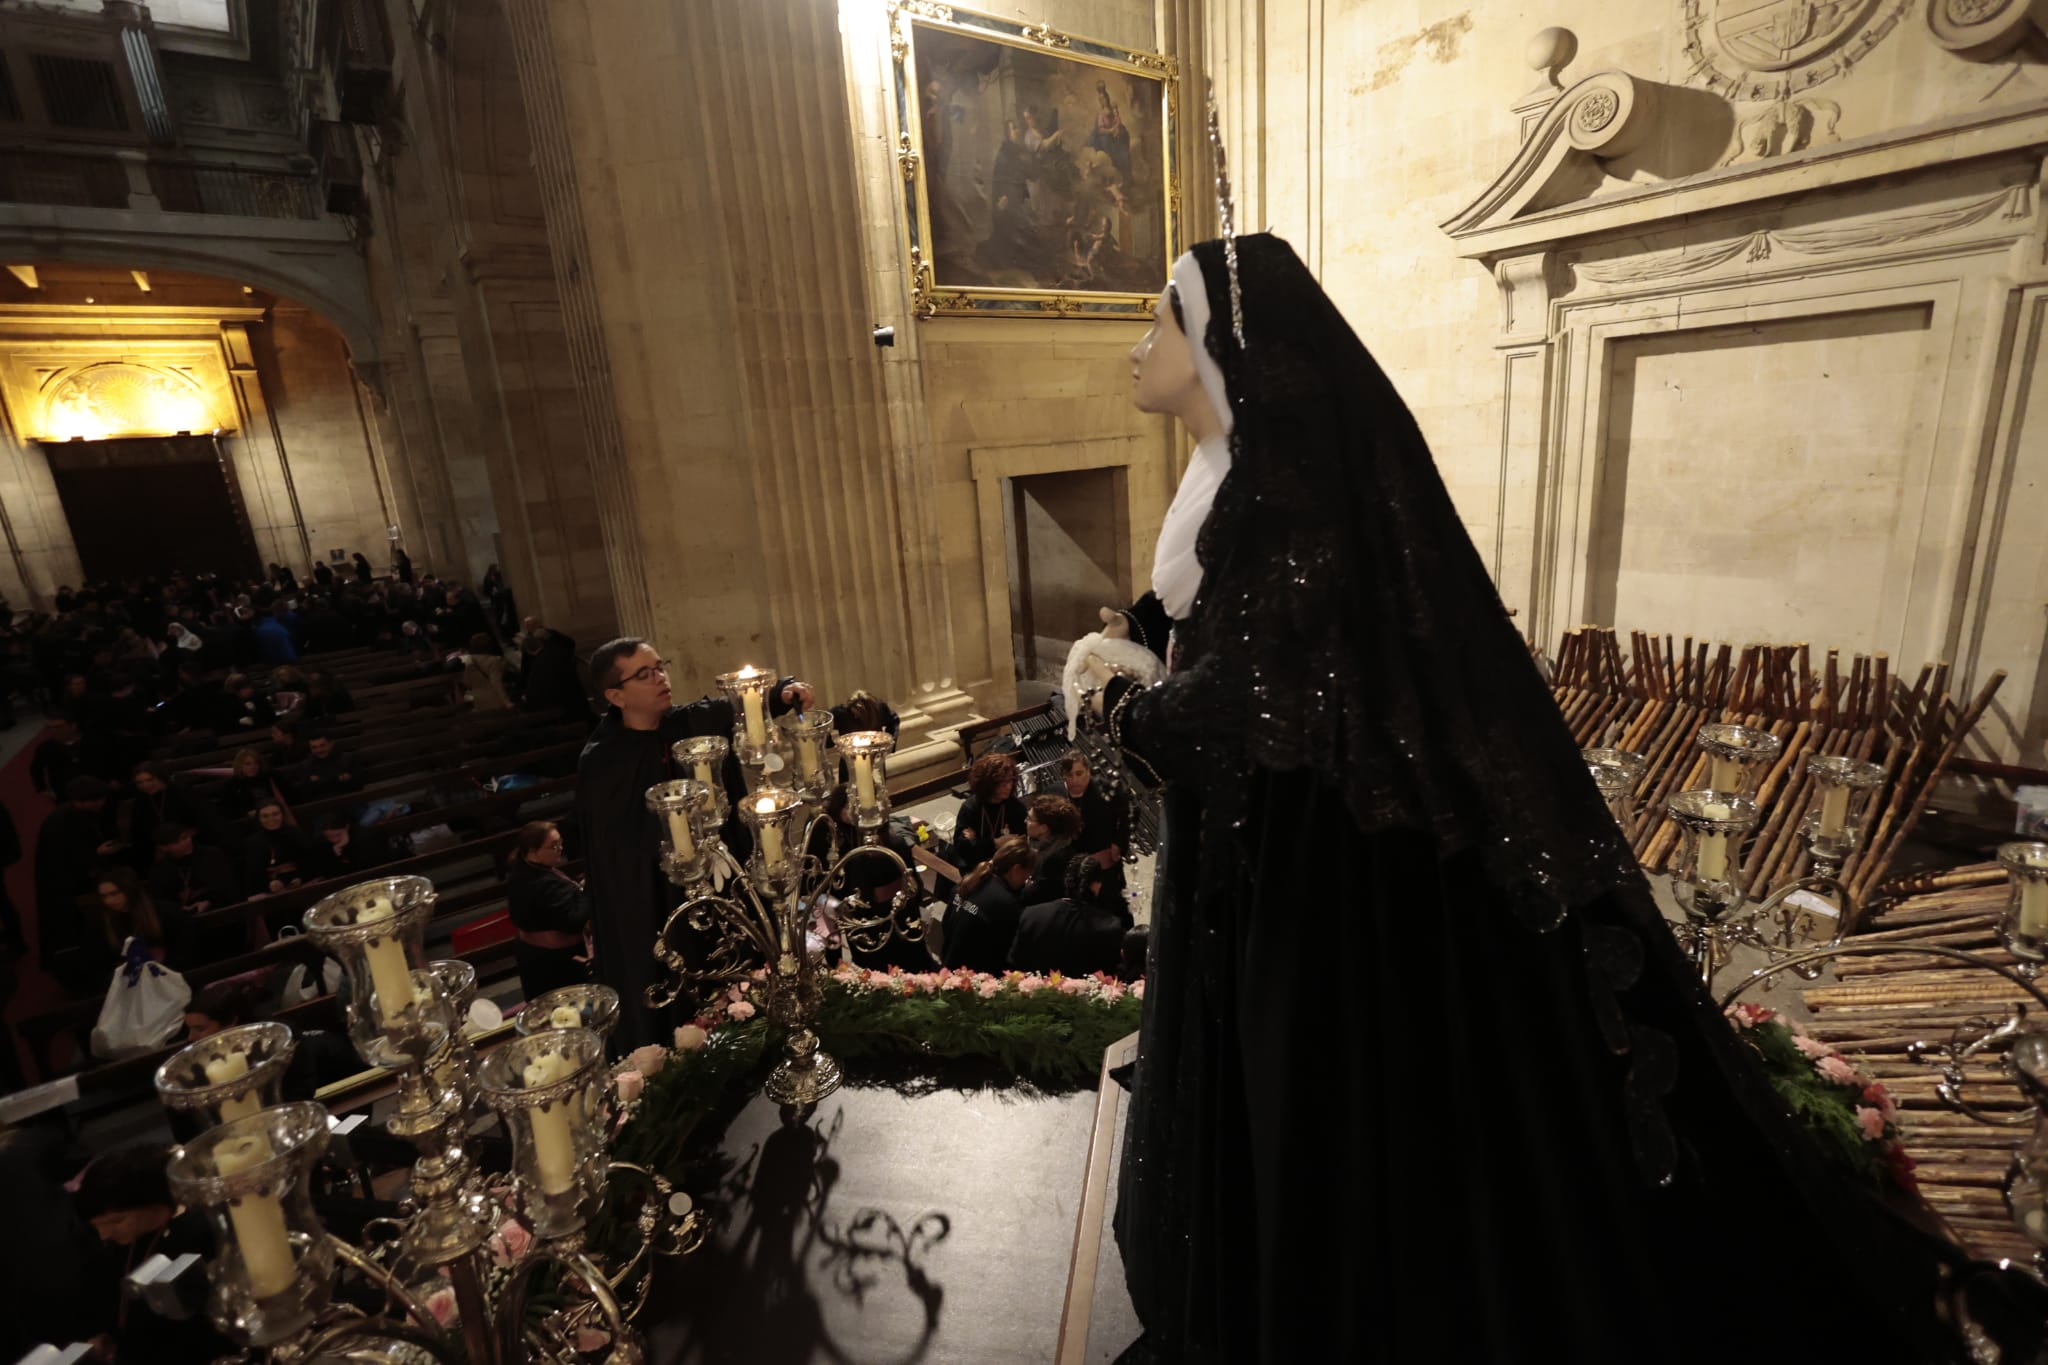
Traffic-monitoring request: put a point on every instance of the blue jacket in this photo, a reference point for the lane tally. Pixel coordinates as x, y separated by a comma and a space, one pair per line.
274, 642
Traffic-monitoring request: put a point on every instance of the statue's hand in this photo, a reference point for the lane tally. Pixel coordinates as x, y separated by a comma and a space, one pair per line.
1115, 624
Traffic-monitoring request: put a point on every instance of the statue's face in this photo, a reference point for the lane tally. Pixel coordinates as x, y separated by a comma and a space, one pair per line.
1163, 365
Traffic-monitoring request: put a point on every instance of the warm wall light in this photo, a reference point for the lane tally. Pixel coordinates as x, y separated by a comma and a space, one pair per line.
116, 398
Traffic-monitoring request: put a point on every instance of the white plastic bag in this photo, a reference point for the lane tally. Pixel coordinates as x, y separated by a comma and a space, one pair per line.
144, 1009
299, 987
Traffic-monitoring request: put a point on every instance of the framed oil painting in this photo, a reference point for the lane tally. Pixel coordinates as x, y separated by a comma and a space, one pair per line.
1039, 174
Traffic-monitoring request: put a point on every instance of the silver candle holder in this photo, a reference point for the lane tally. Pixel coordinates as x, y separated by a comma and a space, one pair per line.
807, 740
1737, 756
703, 758
753, 738
866, 753
1707, 877
1617, 773
230, 1075
687, 815
1838, 810
585, 1005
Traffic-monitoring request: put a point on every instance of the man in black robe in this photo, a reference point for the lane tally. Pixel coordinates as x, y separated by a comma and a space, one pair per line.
627, 754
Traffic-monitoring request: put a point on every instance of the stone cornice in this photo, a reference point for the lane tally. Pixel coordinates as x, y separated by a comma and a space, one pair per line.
1499, 224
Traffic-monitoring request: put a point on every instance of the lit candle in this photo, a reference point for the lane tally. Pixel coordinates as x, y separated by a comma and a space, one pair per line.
554, 1145
2034, 908
1727, 775
752, 700
679, 835
390, 976
233, 1067
771, 834
258, 1220
1834, 812
807, 756
565, 1016
1713, 860
864, 776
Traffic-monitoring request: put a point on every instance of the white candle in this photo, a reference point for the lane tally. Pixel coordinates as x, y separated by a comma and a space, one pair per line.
679, 835
807, 756
771, 834
233, 1067
565, 1016
751, 701
1727, 775
258, 1221
704, 771
554, 1145
864, 776
2034, 909
390, 976
1713, 860
1834, 812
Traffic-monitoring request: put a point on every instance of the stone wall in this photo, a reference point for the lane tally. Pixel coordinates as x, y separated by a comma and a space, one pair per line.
1739, 342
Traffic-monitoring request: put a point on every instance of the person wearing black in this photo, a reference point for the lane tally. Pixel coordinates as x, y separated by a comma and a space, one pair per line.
404, 563
248, 785
126, 1197
1053, 826
1105, 818
279, 855
241, 710
981, 923
865, 711
547, 680
189, 875
75, 838
327, 771
549, 911
363, 573
629, 752
991, 809
1375, 816
1080, 933
159, 799
59, 758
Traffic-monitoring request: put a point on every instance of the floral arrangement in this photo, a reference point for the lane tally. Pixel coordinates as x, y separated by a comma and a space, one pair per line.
1049, 1030
1854, 1116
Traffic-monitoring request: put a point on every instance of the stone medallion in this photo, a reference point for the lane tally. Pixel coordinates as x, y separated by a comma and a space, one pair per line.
1771, 49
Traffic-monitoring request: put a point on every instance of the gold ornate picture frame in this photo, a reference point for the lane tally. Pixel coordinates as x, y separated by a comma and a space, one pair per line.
1040, 169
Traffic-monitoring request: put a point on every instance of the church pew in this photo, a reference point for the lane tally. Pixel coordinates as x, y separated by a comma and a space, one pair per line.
470, 889
344, 728
397, 739
421, 779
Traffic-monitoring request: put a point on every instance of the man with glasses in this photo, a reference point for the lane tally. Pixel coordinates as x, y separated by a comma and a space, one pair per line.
627, 754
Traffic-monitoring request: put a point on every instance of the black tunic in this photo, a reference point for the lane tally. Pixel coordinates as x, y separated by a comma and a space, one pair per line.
1068, 937
981, 927
630, 897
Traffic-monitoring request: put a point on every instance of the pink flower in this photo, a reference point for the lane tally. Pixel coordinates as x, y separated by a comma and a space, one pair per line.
510, 1242
649, 1060
920, 981
689, 1038
1074, 985
441, 1303
1138, 988
740, 1011
1870, 1121
630, 1084
959, 981
989, 987
1029, 984
1882, 1098
1812, 1047
1747, 1015
1112, 991
1838, 1071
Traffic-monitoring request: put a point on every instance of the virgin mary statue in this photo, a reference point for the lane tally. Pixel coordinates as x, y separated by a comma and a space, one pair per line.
1423, 1076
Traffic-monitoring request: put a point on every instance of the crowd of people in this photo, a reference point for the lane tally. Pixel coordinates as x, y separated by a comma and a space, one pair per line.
1047, 894
135, 843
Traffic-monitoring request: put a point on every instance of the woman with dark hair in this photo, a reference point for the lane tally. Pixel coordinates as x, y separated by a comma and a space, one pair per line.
1053, 825
1105, 816
279, 855
125, 1196
990, 810
127, 910
1389, 881
982, 921
160, 798
363, 572
549, 912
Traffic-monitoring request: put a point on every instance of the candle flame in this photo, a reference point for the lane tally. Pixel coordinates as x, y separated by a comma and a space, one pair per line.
766, 805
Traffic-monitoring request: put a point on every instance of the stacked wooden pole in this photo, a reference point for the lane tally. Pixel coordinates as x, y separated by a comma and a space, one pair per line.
1877, 1007
1654, 699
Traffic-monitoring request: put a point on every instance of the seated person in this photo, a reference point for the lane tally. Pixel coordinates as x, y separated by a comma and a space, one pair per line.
161, 798
279, 855
189, 876
1079, 934
126, 1197
982, 920
864, 711
1105, 817
991, 809
128, 911
1053, 825
350, 848
327, 770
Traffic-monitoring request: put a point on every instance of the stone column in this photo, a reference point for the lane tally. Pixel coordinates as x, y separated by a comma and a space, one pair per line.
704, 158
262, 469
